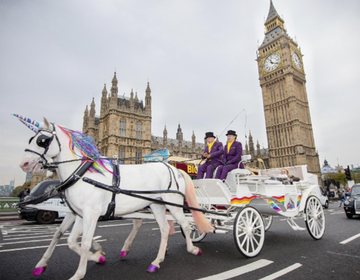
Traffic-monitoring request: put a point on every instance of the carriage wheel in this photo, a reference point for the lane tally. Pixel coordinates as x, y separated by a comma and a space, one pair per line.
249, 232
195, 235
267, 219
314, 217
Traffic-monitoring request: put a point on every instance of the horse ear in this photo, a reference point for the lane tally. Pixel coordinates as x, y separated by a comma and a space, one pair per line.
46, 123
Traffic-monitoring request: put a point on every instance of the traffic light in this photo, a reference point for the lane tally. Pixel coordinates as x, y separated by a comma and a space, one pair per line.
347, 173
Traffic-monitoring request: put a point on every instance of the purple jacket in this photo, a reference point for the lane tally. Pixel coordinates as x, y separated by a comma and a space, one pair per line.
234, 155
216, 153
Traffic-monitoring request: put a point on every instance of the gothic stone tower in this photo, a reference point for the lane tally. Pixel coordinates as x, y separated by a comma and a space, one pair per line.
287, 115
124, 126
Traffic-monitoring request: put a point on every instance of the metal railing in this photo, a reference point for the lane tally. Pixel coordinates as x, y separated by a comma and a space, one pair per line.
6, 204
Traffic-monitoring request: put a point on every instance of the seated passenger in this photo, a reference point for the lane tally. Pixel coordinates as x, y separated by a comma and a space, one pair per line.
289, 178
231, 157
213, 153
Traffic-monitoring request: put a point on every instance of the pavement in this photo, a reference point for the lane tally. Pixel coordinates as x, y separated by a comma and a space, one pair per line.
9, 216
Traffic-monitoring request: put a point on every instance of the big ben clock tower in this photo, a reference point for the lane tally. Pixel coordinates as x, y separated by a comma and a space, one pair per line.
287, 114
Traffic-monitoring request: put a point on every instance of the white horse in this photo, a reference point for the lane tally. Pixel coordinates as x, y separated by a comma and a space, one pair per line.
65, 147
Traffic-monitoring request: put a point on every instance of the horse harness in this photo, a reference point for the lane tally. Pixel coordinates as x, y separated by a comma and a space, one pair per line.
45, 141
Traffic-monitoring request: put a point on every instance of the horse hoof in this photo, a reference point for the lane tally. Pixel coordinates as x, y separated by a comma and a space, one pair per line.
123, 253
102, 260
199, 253
152, 268
39, 270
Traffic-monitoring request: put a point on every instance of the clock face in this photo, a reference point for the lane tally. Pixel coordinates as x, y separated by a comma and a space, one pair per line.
271, 62
296, 59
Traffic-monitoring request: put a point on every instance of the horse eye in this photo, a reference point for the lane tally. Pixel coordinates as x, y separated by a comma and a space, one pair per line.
43, 141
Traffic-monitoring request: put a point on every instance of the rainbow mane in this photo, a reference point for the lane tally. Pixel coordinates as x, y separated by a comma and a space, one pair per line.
84, 147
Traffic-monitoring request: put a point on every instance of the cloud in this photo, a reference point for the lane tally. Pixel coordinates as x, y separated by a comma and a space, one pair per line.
199, 57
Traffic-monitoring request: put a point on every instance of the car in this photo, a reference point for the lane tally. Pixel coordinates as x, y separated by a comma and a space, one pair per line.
321, 196
43, 216
352, 203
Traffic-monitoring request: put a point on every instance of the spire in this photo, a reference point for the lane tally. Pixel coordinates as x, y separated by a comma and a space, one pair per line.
114, 87
148, 90
104, 91
274, 27
92, 108
272, 14
86, 112
114, 80
179, 135
104, 101
165, 137
85, 119
148, 98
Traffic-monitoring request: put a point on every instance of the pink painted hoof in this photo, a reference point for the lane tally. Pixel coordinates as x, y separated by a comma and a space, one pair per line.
123, 253
39, 270
101, 260
152, 268
199, 253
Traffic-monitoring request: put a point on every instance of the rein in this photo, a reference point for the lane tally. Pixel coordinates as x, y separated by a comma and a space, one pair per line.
135, 194
71, 180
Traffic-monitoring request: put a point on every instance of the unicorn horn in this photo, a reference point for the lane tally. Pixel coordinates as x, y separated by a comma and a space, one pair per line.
26, 120
30, 126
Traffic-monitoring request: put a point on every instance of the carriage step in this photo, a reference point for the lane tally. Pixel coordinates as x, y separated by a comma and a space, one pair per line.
220, 231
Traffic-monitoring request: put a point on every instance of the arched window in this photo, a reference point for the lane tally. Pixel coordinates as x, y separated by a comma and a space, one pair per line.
138, 156
122, 128
139, 130
121, 155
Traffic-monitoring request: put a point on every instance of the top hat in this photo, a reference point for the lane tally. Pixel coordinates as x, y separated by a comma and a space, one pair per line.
231, 132
209, 134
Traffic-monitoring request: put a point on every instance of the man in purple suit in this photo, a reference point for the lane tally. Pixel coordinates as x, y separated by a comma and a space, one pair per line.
213, 153
231, 157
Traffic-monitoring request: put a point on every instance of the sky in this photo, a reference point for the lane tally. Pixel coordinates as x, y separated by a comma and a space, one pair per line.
199, 57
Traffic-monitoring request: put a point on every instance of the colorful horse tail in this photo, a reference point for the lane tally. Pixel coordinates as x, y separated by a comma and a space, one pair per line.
201, 222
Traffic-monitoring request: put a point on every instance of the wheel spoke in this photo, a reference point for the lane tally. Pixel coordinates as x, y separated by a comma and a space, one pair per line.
252, 244
245, 239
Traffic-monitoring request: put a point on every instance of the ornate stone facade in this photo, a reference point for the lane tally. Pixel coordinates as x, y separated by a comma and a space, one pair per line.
287, 114
259, 157
123, 128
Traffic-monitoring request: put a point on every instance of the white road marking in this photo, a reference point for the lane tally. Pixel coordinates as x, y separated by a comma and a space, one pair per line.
31, 237
350, 239
39, 240
27, 241
344, 255
39, 247
238, 271
115, 225
119, 225
282, 272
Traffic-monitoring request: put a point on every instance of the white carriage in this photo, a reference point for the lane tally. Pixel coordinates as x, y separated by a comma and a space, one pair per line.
250, 201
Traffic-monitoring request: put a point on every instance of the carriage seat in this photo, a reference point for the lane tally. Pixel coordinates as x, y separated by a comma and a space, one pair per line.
234, 178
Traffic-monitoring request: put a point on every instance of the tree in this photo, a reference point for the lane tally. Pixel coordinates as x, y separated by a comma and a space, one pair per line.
336, 178
18, 189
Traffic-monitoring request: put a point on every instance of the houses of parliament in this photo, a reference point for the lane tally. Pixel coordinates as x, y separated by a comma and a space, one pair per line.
123, 128
124, 125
